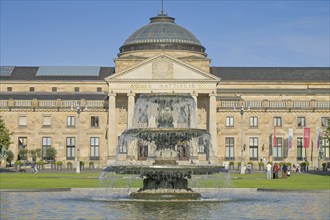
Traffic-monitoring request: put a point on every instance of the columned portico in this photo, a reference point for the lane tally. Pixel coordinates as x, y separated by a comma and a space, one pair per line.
162, 74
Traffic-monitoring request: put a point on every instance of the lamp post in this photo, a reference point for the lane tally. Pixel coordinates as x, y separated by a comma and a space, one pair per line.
242, 110
78, 110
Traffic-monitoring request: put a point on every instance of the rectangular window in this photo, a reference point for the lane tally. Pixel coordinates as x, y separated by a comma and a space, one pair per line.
46, 144
47, 122
230, 121
70, 148
301, 122
9, 89
54, 89
301, 151
277, 122
99, 89
95, 148
76, 89
70, 121
22, 145
123, 147
201, 145
22, 121
325, 121
278, 149
95, 121
253, 148
326, 148
31, 89
230, 148
253, 121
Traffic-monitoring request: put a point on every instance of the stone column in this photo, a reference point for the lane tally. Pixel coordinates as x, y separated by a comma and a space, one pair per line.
130, 110
212, 121
112, 127
195, 95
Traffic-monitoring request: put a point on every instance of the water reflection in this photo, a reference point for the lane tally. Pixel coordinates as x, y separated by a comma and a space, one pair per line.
223, 204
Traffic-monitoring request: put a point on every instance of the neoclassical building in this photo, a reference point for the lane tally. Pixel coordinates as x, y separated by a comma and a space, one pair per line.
82, 110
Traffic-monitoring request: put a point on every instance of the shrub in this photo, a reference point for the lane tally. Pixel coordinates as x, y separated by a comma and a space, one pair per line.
271, 163
18, 162
82, 163
59, 163
69, 163
250, 162
91, 163
239, 163
231, 163
303, 164
289, 164
260, 163
40, 162
281, 163
324, 165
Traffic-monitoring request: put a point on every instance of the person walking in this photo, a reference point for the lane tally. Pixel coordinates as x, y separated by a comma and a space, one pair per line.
284, 171
275, 170
269, 171
249, 168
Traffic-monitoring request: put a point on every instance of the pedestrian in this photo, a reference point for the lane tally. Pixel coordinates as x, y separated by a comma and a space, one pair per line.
269, 171
298, 168
249, 168
284, 171
275, 170
34, 168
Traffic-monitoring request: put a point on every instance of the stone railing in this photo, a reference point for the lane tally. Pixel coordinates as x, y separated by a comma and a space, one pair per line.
49, 104
266, 104
325, 105
23, 103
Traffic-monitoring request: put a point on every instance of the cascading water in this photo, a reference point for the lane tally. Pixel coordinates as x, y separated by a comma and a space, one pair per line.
165, 147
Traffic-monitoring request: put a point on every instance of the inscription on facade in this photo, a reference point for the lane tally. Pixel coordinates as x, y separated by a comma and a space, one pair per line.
164, 86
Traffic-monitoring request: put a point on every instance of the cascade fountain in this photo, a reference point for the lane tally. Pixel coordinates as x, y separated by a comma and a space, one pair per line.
165, 147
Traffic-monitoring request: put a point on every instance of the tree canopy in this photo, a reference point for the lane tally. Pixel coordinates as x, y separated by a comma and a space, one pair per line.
4, 136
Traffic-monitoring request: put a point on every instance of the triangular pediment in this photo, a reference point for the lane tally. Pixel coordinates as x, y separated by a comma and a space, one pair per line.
162, 67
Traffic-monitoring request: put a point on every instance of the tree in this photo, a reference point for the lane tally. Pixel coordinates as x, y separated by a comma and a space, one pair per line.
4, 137
37, 153
23, 154
9, 157
51, 153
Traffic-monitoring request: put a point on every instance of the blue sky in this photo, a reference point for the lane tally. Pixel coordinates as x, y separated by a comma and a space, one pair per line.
235, 33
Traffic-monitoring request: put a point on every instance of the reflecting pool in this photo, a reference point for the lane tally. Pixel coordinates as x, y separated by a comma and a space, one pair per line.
114, 204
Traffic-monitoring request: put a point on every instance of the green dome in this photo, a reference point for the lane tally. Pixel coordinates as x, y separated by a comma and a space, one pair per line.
162, 33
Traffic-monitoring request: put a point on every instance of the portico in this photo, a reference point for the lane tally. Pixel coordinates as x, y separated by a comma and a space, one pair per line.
159, 74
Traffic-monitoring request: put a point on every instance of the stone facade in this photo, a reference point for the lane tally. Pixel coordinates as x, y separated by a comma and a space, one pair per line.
43, 111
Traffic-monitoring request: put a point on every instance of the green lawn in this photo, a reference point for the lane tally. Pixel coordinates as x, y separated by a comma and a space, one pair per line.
91, 180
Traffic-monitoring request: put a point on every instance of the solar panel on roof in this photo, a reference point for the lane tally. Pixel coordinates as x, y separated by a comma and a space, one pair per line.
6, 70
68, 71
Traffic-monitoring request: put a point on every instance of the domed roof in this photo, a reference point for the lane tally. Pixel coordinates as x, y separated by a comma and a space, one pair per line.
162, 33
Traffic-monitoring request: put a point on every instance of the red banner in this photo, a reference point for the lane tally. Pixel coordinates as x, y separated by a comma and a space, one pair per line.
307, 132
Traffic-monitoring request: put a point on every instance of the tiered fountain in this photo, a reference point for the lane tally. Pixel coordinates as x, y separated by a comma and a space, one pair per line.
165, 147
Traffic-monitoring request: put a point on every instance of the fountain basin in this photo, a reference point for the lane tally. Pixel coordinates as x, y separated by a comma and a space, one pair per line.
166, 182
165, 169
